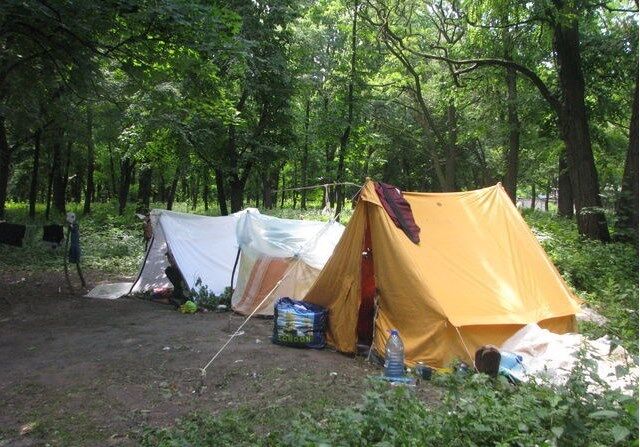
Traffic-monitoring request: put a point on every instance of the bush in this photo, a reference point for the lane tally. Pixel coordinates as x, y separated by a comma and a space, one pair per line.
475, 411
605, 276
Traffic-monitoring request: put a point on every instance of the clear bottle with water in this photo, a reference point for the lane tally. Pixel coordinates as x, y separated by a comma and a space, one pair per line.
394, 357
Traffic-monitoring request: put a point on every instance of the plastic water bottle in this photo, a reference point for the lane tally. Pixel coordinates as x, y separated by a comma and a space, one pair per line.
394, 357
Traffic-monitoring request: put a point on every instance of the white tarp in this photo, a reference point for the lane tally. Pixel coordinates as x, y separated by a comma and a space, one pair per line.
552, 356
274, 250
204, 248
111, 291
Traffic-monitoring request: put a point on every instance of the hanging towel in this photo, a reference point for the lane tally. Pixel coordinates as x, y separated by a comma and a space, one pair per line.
398, 209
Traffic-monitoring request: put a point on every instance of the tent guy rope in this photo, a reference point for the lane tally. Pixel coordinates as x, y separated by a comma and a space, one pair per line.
203, 370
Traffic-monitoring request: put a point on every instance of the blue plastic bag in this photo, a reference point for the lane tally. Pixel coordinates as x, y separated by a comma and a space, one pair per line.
299, 324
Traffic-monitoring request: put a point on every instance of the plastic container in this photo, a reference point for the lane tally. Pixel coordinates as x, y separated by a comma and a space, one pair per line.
394, 357
510, 360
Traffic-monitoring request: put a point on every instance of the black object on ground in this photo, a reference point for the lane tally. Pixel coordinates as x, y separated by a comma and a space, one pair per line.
12, 234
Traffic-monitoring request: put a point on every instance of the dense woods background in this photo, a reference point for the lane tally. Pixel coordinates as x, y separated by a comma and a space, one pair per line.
223, 103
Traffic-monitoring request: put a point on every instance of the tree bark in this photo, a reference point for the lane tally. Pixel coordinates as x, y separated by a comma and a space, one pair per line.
452, 148
546, 196
574, 129
112, 171
126, 168
305, 154
33, 189
58, 186
220, 191
237, 194
627, 204
145, 178
205, 188
565, 195
91, 163
511, 175
344, 139
533, 196
173, 188
5, 164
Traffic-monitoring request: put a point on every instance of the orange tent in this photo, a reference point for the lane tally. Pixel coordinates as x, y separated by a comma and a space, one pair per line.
476, 277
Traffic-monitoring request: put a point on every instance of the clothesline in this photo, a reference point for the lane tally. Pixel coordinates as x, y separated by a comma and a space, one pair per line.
322, 185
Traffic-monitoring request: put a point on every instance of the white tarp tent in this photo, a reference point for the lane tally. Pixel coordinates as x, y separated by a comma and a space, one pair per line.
204, 248
279, 257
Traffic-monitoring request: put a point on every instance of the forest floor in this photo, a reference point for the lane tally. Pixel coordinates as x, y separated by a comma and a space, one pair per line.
82, 371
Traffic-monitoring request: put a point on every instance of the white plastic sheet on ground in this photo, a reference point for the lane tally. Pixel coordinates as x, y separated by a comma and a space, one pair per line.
204, 248
552, 356
280, 257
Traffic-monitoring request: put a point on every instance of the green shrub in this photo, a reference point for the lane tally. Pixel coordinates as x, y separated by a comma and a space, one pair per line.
605, 276
475, 411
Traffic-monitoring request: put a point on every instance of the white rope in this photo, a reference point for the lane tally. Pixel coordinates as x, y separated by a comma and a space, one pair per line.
322, 185
473, 362
289, 270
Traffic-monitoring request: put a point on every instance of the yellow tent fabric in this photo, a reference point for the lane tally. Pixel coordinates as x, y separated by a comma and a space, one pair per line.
476, 277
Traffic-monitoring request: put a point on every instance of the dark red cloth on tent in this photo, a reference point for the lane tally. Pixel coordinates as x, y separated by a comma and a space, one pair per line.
398, 209
366, 312
12, 234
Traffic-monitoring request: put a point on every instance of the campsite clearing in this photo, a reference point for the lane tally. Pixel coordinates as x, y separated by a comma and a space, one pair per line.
94, 372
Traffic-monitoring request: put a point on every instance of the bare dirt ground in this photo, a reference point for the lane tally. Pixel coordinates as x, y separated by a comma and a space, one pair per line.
80, 371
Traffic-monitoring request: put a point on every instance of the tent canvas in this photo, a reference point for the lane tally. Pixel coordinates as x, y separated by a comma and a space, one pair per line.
477, 276
279, 258
204, 248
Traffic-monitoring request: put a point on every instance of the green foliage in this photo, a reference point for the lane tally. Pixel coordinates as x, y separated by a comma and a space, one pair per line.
205, 298
475, 411
228, 429
604, 275
109, 242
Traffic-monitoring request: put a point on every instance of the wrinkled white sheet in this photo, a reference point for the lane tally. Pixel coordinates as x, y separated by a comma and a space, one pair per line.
204, 247
552, 356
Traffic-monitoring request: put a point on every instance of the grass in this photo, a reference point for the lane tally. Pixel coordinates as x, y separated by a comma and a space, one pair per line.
475, 411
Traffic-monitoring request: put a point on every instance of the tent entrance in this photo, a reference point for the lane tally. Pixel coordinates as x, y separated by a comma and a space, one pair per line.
366, 312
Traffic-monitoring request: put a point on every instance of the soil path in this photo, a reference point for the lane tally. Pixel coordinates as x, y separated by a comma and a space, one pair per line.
79, 371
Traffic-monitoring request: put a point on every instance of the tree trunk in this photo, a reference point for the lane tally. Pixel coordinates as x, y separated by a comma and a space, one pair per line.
627, 204
205, 188
284, 186
565, 195
267, 193
533, 196
33, 189
305, 154
59, 186
91, 163
126, 168
222, 197
237, 194
112, 171
546, 196
452, 148
574, 129
5, 164
511, 175
173, 188
54, 157
344, 139
145, 178
195, 191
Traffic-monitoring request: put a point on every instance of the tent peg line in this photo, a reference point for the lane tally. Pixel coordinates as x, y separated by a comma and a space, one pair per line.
203, 371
